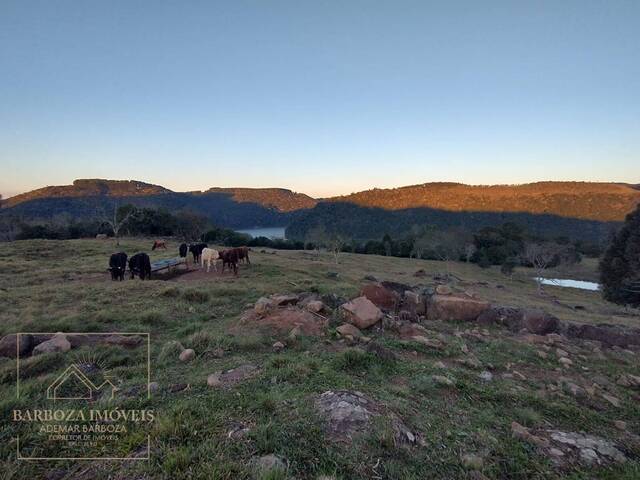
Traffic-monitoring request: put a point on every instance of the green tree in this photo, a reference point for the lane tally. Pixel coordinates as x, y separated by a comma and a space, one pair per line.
620, 265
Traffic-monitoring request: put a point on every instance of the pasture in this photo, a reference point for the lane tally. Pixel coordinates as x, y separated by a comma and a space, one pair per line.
203, 432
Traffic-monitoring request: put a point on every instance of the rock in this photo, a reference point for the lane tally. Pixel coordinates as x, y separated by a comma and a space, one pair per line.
130, 341
333, 275
472, 462
457, 308
187, 355
442, 381
362, 312
440, 365
9, 345
154, 386
588, 456
381, 297
420, 273
444, 290
278, 346
268, 466
499, 315
282, 300
542, 354
348, 329
565, 362
522, 433
217, 353
620, 425
628, 380
262, 305
539, 322
348, 413
370, 278
591, 447
612, 335
58, 343
486, 376
556, 452
561, 353
315, 306
611, 399
575, 390
213, 380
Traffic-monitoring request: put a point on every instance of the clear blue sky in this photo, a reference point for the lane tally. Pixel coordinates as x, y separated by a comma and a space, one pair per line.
323, 97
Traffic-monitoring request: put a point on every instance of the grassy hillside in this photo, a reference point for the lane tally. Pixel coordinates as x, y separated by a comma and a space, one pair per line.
63, 286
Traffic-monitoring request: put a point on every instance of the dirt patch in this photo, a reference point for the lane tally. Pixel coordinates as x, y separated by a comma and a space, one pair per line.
283, 321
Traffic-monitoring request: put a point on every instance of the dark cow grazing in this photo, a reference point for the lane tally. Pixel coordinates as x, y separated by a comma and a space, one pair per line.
243, 254
118, 265
196, 251
230, 258
159, 244
140, 265
183, 249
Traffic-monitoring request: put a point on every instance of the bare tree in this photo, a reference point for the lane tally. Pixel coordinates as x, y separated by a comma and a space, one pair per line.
335, 243
317, 236
119, 218
469, 250
541, 256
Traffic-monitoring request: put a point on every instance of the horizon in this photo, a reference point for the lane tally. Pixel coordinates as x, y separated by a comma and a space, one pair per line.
325, 99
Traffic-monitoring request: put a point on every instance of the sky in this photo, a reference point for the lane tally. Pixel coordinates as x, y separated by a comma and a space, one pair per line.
322, 97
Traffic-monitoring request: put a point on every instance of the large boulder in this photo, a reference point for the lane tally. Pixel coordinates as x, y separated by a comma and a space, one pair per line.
540, 322
501, 315
381, 296
9, 345
362, 312
611, 335
59, 343
456, 308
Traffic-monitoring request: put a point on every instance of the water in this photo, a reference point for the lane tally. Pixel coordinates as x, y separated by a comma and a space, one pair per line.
567, 282
269, 232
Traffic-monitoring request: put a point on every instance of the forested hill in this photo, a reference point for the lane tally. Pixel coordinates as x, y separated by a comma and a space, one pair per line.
582, 200
227, 207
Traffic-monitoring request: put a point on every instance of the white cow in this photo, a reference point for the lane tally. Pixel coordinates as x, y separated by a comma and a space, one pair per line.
209, 255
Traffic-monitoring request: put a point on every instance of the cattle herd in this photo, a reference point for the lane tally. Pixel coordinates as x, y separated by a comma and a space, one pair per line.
140, 264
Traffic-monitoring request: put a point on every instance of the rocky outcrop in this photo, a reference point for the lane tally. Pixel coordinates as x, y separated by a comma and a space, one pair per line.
611, 335
381, 296
9, 345
58, 343
455, 308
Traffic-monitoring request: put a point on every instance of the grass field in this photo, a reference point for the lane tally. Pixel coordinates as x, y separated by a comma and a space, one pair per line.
51, 286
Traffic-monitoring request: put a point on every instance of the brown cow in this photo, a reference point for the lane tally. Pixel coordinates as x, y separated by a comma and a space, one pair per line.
230, 258
243, 254
159, 244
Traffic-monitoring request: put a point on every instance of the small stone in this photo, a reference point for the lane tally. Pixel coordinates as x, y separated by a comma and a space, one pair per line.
464, 348
315, 306
153, 387
566, 362
561, 353
213, 380
187, 355
542, 354
556, 452
278, 346
347, 329
427, 341
486, 376
440, 365
262, 305
611, 399
472, 462
444, 290
267, 464
295, 333
620, 425
217, 353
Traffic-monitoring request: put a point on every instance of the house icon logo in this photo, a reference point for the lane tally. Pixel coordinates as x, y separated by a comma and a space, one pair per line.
74, 384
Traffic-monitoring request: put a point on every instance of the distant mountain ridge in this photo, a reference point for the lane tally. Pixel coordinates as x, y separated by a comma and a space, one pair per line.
369, 213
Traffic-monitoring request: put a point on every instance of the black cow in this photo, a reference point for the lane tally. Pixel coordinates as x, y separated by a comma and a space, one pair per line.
183, 250
140, 265
196, 251
118, 265
230, 258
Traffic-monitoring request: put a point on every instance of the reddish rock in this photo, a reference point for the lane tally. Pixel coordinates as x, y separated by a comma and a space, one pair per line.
9, 345
381, 296
539, 322
452, 307
362, 312
348, 329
